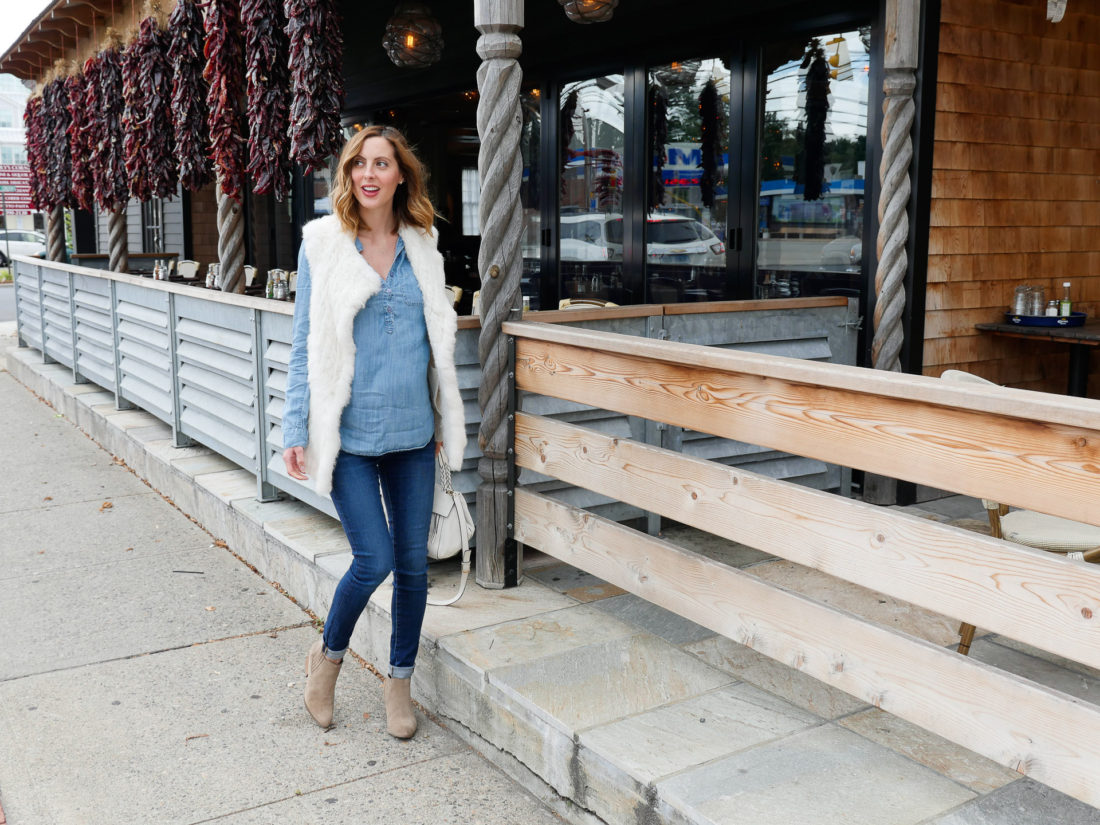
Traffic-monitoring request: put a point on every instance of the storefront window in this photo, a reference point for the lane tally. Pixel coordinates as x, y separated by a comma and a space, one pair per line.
591, 212
688, 130
813, 153
529, 194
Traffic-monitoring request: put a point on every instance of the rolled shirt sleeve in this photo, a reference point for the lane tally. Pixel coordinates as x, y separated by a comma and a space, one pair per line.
296, 409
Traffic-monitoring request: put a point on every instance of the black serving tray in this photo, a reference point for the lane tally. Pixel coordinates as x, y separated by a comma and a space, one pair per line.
1075, 319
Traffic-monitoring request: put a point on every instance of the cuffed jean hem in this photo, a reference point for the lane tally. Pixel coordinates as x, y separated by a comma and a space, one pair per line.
400, 672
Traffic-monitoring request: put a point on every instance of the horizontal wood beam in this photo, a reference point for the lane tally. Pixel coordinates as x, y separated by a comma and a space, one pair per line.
1030, 728
1014, 446
1036, 597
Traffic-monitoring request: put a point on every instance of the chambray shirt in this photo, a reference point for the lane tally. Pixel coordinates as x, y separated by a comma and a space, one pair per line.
389, 409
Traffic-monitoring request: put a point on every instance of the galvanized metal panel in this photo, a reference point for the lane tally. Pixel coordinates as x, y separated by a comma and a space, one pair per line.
157, 378
215, 360
214, 433
234, 391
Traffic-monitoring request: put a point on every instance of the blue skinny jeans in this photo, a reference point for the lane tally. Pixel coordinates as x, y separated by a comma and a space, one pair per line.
406, 480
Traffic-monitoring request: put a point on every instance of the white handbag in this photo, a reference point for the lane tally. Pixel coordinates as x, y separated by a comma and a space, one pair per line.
451, 528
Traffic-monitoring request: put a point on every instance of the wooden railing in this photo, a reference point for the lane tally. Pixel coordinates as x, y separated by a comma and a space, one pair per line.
1023, 448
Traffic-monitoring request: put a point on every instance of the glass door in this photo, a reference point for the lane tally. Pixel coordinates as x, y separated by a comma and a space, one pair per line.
812, 154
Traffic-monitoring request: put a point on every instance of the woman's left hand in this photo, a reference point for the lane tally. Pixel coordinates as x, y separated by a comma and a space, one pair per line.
438, 447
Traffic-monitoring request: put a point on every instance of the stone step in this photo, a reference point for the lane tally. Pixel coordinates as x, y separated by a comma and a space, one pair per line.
605, 706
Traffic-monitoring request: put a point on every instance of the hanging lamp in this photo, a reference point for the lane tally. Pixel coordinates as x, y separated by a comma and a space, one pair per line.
589, 11
413, 38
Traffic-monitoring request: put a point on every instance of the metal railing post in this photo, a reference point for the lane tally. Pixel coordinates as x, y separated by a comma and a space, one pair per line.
178, 438
77, 377
265, 491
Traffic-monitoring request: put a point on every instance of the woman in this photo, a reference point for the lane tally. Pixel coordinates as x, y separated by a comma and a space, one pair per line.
372, 396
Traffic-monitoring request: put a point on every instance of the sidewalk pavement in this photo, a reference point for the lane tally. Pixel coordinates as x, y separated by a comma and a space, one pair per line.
603, 705
149, 676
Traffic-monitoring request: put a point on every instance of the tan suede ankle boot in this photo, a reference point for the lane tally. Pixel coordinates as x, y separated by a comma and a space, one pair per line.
321, 673
400, 719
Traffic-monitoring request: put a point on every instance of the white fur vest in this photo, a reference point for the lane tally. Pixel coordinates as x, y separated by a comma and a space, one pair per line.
342, 282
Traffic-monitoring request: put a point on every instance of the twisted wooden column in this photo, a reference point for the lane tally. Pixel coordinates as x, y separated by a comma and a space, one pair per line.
55, 234
230, 243
500, 165
899, 112
118, 245
901, 51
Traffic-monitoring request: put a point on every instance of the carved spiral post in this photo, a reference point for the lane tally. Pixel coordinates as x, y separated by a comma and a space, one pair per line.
55, 234
893, 229
118, 245
230, 243
500, 165
899, 112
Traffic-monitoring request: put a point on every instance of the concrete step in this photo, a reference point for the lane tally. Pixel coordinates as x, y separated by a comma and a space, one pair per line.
605, 706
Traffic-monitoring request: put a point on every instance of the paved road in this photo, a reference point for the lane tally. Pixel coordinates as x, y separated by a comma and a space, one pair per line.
147, 676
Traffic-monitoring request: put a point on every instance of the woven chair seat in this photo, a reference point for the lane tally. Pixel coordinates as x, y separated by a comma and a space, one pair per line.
1045, 532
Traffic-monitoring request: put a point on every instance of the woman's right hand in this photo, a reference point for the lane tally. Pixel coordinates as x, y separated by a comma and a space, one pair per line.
295, 460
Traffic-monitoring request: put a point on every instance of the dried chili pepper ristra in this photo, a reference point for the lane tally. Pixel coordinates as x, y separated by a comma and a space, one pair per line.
155, 78
316, 51
36, 154
91, 130
59, 185
108, 163
81, 169
185, 31
266, 48
225, 73
133, 118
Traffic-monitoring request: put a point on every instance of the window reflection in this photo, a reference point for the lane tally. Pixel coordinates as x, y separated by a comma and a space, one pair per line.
529, 194
687, 194
813, 152
591, 219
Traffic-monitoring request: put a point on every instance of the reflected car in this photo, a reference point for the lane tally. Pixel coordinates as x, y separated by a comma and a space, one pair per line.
843, 252
593, 236
674, 239
21, 242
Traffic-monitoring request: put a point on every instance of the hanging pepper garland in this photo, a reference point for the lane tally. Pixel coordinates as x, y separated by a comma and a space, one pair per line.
316, 80
566, 133
265, 48
189, 90
133, 116
36, 150
710, 126
658, 131
817, 109
108, 163
225, 73
158, 146
59, 183
81, 185
83, 133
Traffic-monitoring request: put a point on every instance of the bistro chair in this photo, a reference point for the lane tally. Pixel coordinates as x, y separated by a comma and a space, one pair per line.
584, 303
188, 269
1072, 539
475, 304
292, 280
249, 274
456, 293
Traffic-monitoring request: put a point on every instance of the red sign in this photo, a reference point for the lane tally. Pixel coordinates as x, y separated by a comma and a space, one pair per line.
15, 189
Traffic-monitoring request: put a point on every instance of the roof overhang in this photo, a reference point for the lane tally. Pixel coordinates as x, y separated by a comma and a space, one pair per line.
54, 35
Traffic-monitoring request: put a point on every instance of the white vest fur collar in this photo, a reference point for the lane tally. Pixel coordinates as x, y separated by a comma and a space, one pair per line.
342, 282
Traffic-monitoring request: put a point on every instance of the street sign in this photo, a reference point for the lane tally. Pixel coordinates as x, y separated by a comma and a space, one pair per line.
15, 185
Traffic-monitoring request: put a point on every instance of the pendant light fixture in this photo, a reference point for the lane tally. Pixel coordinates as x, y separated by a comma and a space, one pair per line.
413, 38
589, 11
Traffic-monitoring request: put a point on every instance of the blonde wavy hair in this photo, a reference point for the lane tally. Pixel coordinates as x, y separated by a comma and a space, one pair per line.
411, 204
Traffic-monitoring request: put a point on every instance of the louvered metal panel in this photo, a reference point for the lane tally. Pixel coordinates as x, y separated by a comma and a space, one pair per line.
57, 322
216, 374
28, 309
145, 361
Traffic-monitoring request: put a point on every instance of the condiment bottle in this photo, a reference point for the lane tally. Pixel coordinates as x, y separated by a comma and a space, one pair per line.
1066, 305
1052, 308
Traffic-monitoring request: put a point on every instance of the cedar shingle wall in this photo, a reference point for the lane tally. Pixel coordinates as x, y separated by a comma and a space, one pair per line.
1016, 182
